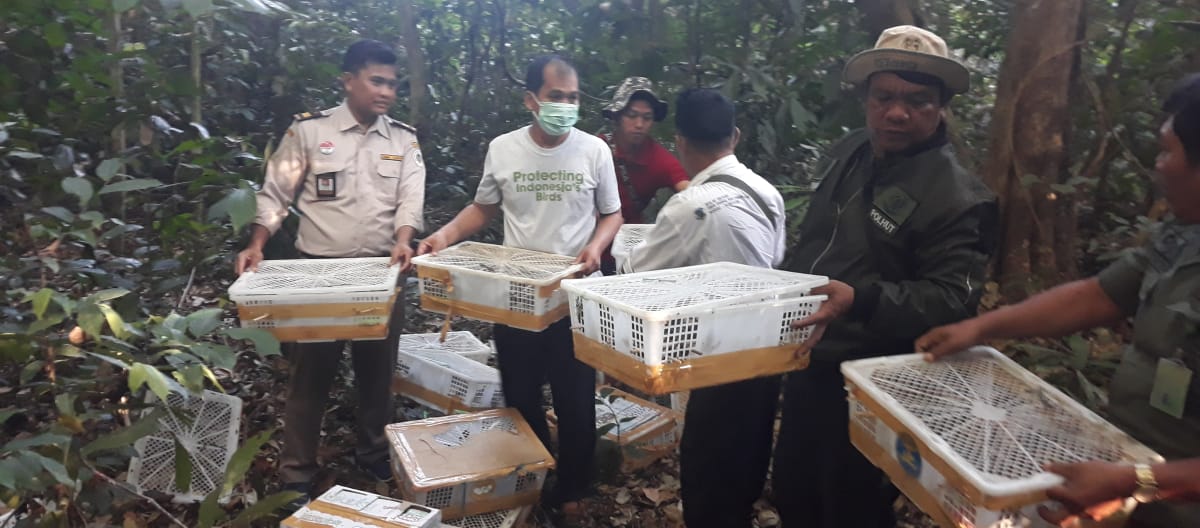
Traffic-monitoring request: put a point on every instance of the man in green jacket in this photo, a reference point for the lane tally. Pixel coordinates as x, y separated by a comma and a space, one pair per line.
1154, 395
904, 233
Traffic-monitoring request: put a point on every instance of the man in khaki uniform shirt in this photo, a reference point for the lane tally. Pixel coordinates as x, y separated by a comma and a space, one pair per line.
359, 181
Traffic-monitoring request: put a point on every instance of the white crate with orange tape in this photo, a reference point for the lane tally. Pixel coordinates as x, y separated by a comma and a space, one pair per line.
306, 300
966, 438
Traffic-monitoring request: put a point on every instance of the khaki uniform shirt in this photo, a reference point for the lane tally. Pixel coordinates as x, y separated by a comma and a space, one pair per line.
356, 187
1159, 285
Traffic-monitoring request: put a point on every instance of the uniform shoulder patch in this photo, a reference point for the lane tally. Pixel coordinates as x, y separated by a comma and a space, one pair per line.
402, 124
305, 116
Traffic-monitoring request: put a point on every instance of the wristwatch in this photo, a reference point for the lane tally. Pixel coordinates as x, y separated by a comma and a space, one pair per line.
1147, 485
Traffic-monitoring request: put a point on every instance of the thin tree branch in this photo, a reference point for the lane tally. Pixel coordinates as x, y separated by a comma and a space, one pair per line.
128, 489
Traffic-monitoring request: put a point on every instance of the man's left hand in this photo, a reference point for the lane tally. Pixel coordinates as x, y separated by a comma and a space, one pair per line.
1092, 490
402, 254
590, 259
840, 298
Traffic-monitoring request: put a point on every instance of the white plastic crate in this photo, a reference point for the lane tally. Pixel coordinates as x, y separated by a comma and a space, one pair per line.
462, 343
628, 237
635, 327
514, 518
966, 437
467, 464
207, 426
318, 299
642, 430
445, 381
499, 284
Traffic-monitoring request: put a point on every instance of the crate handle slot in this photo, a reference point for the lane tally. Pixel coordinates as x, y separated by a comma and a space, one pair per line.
364, 311
261, 317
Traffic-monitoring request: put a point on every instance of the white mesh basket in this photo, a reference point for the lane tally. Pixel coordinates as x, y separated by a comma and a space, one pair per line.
990, 421
673, 315
312, 281
500, 519
446, 381
206, 425
628, 237
494, 283
462, 343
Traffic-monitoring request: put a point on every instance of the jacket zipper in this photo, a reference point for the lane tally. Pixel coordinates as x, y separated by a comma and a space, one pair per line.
837, 220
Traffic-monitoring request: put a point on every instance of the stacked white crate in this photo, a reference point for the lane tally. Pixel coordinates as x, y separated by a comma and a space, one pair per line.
515, 287
447, 376
307, 300
966, 438
678, 329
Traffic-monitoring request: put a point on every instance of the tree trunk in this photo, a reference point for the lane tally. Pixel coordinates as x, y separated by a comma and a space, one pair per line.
1030, 128
416, 61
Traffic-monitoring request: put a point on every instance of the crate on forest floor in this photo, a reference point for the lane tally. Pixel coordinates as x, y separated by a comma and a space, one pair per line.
342, 507
628, 237
466, 464
444, 380
965, 438
642, 430
462, 343
679, 329
307, 300
498, 284
514, 518
207, 426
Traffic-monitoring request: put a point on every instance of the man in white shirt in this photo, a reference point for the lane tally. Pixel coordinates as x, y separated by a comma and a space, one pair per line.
557, 189
727, 214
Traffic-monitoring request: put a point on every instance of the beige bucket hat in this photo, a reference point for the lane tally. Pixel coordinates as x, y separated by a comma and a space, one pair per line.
910, 49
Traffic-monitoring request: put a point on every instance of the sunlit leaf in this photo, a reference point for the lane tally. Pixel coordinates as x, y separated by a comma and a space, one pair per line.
80, 188
264, 343
238, 205
115, 323
109, 167
122, 6
136, 184
238, 464
198, 8
143, 374
202, 322
125, 436
41, 301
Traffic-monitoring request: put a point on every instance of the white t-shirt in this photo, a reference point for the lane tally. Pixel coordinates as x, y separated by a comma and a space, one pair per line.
715, 222
550, 197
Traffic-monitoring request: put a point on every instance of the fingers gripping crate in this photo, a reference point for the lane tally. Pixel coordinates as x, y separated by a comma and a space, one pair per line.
462, 343
514, 518
446, 381
207, 426
628, 237
966, 438
318, 299
342, 507
643, 431
498, 284
467, 464
679, 329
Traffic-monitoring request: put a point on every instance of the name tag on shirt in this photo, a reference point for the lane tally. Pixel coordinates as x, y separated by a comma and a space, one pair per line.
1170, 391
391, 157
327, 185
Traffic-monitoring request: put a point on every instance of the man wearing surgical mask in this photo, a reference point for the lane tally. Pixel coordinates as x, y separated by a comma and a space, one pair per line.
558, 191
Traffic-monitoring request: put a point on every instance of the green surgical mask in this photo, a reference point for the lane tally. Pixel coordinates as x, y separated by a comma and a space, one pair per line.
556, 119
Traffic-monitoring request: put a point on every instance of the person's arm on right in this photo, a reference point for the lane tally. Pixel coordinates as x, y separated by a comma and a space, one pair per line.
473, 217
1063, 310
285, 174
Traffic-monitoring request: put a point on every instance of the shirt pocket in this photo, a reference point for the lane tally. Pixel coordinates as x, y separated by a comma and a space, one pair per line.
386, 178
319, 189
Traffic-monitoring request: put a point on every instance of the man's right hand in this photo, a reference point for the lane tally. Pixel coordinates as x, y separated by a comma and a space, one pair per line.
433, 243
247, 260
950, 339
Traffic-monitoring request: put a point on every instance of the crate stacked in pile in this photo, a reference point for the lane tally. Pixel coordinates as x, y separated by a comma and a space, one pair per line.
672, 330
514, 518
642, 431
447, 376
628, 237
306, 300
469, 464
966, 438
498, 284
342, 507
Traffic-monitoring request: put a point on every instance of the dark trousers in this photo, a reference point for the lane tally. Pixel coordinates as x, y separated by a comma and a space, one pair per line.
820, 480
725, 450
313, 369
527, 361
